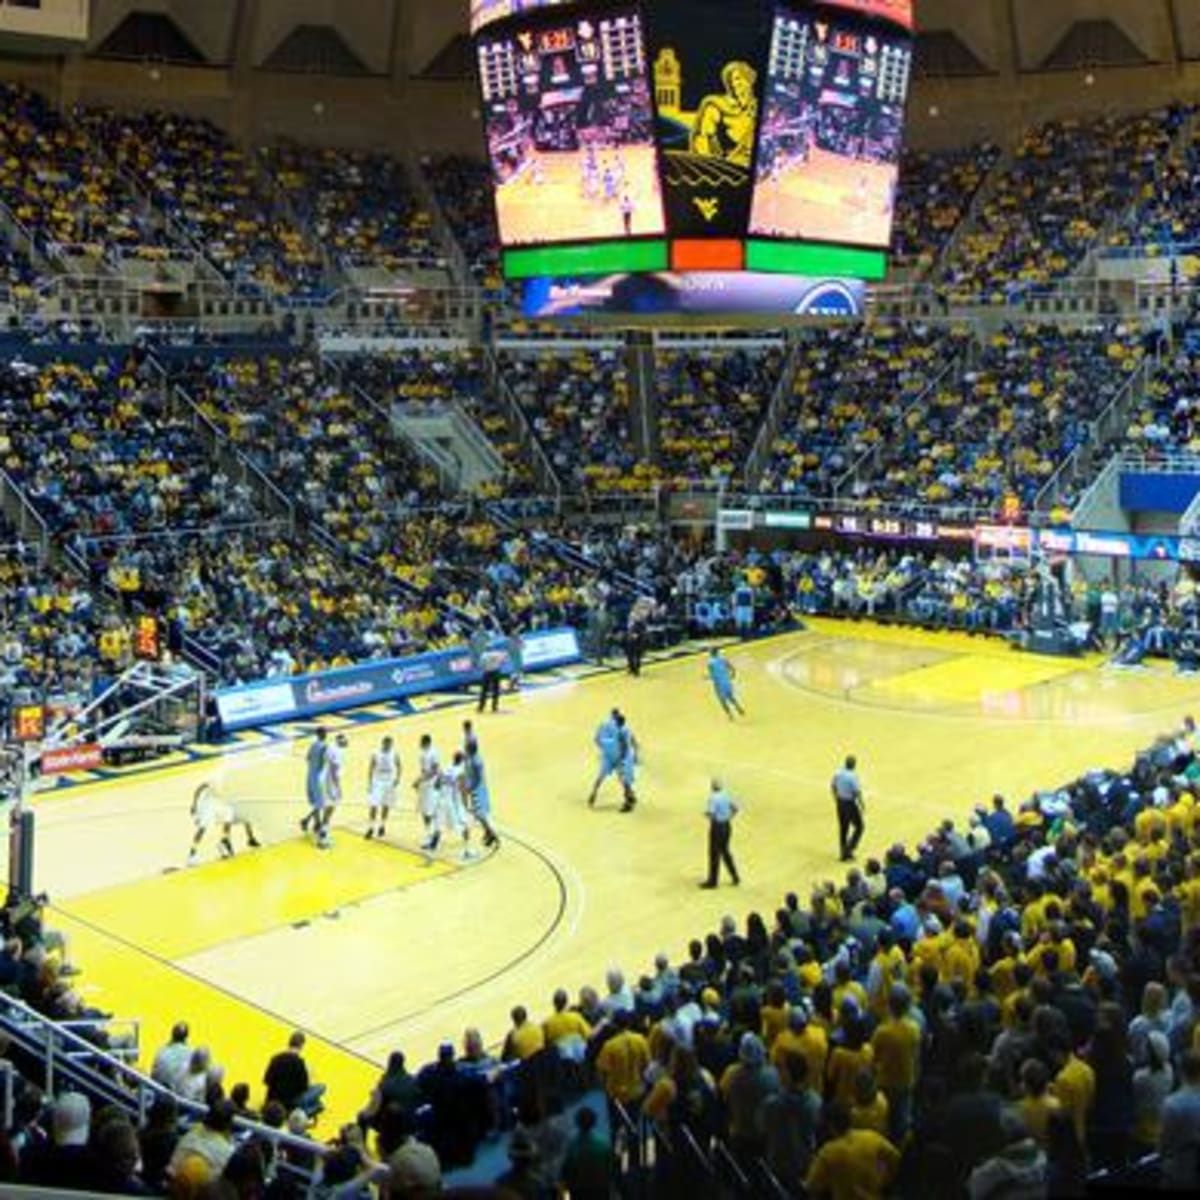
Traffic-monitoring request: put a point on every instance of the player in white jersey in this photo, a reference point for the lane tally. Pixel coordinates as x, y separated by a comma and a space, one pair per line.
208, 809
335, 770
427, 787
453, 802
383, 777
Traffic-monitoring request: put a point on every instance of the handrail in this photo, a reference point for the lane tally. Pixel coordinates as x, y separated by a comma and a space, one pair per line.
29, 514
851, 474
528, 436
79, 1062
222, 440
216, 529
1050, 490
773, 417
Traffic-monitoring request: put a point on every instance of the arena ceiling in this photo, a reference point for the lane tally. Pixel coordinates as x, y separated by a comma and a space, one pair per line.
427, 38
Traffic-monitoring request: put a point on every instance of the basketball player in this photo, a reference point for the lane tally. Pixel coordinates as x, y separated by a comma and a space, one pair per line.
618, 756
426, 785
606, 739
383, 777
722, 675
479, 800
470, 740
335, 763
315, 781
208, 809
453, 803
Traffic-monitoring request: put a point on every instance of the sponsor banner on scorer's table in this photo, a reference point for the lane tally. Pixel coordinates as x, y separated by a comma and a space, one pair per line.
275, 700
71, 758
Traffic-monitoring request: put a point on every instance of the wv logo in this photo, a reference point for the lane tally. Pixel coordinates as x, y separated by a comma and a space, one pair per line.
708, 207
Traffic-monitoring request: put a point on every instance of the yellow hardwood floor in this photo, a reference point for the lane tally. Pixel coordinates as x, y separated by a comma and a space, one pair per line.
372, 947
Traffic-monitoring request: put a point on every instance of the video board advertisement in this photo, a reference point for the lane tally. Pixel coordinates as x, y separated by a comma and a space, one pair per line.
832, 131
708, 293
569, 126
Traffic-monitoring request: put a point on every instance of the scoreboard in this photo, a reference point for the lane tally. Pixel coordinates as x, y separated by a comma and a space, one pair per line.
714, 136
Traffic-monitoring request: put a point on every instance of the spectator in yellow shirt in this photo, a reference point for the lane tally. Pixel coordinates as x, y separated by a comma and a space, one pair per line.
524, 1039
622, 1062
855, 1164
896, 1045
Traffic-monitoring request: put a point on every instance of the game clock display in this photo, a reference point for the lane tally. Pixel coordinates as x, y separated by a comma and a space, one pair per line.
695, 135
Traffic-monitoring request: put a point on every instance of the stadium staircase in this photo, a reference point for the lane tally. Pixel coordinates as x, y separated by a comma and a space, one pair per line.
643, 393
456, 261
777, 407
446, 436
97, 1058
940, 269
1089, 461
520, 427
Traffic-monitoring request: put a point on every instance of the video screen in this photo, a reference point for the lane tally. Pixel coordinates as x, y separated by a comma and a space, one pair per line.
831, 132
899, 12
570, 132
487, 12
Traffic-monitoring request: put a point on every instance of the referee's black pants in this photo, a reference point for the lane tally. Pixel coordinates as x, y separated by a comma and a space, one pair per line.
850, 826
489, 689
720, 834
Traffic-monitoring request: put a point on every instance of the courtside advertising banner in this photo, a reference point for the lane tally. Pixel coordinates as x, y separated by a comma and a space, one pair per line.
273, 700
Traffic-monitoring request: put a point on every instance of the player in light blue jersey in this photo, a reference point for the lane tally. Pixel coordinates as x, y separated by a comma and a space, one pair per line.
722, 675
618, 756
479, 799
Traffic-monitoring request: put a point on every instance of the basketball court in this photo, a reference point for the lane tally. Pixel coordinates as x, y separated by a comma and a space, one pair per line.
371, 947
828, 198
556, 208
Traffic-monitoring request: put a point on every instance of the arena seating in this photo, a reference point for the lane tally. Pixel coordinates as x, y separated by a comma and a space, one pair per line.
433, 377
102, 451
215, 196
1013, 419
461, 185
578, 405
1166, 421
852, 393
711, 402
1069, 180
314, 438
358, 205
936, 192
70, 199
1028, 964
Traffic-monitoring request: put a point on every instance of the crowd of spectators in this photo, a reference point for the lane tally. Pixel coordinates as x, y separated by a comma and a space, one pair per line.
1166, 420
64, 193
1166, 217
1068, 181
853, 392
215, 195
357, 204
578, 405
710, 404
102, 449
1002, 428
425, 378
463, 189
936, 191
314, 437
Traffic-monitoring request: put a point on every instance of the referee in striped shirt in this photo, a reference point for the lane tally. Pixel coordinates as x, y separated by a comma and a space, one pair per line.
720, 812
